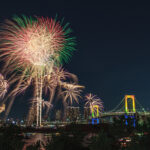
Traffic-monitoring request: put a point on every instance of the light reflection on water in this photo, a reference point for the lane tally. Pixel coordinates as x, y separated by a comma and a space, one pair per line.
33, 138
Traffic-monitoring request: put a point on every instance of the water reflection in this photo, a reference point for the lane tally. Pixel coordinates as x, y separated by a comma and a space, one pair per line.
43, 138
33, 138
87, 139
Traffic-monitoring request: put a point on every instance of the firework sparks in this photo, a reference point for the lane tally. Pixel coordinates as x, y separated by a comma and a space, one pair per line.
44, 103
93, 100
3, 86
72, 92
35, 42
57, 79
32, 111
33, 47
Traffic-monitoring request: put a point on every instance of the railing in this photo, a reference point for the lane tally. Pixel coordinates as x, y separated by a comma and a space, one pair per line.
121, 113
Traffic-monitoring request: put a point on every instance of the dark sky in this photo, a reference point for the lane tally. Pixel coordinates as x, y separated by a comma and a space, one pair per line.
113, 46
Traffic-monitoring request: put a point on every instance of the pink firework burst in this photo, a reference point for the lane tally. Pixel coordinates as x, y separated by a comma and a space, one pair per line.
36, 44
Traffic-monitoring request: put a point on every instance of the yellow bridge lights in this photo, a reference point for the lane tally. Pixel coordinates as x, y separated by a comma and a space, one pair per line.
132, 97
95, 114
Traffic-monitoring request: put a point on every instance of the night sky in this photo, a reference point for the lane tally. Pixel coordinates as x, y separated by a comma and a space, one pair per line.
113, 46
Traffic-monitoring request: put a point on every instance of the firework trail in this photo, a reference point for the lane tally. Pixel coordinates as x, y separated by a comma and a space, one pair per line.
59, 78
3, 86
62, 81
71, 92
67, 85
32, 111
32, 47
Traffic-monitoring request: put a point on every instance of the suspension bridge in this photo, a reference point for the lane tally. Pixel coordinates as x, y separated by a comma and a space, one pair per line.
129, 105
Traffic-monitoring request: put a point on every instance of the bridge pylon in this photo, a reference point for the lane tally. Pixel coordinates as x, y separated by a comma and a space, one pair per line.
129, 106
127, 99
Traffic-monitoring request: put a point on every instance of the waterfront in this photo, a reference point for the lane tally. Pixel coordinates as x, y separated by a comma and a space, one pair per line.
116, 136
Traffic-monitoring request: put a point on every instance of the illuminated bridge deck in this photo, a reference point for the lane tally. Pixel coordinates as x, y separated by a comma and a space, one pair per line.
105, 114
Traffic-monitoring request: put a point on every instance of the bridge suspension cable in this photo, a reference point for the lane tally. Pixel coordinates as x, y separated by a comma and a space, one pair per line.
119, 107
139, 107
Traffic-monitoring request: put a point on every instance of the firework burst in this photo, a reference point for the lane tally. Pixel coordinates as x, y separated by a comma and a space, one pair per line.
71, 92
34, 42
93, 100
33, 47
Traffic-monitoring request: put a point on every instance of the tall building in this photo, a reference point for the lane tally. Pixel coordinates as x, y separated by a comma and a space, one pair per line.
87, 113
73, 114
58, 115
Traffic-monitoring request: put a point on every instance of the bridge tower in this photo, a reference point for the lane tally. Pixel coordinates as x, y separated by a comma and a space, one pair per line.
95, 114
128, 99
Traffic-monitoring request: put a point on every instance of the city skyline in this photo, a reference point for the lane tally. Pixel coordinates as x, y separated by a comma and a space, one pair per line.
112, 57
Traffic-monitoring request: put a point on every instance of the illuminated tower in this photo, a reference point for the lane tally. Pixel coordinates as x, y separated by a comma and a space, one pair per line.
95, 114
95, 111
130, 99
